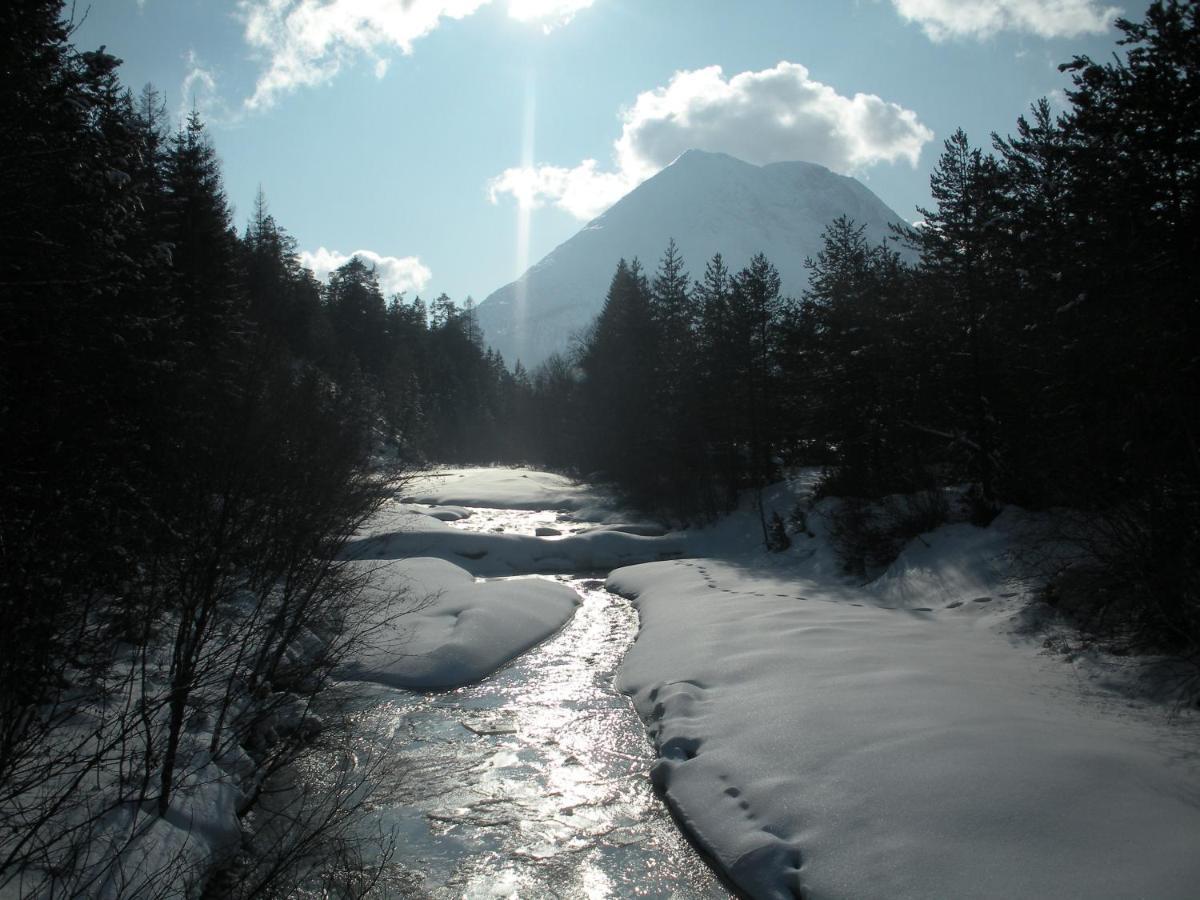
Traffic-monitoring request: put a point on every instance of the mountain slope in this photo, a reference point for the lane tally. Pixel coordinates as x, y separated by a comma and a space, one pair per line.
707, 202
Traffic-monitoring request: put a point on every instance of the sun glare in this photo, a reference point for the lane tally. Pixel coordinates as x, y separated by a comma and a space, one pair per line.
525, 209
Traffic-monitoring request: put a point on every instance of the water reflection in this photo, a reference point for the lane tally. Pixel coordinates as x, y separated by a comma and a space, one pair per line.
531, 784
521, 521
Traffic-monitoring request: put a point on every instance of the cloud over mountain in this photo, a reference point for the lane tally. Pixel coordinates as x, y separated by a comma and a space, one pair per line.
773, 115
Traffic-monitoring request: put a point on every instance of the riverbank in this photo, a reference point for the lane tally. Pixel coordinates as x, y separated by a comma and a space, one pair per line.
907, 738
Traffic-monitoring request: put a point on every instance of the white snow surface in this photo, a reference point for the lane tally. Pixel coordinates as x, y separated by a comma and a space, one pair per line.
905, 739
504, 488
442, 625
402, 531
445, 629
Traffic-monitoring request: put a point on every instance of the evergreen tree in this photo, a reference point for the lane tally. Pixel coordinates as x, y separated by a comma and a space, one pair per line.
678, 436
757, 310
862, 365
957, 242
618, 371
716, 372
358, 316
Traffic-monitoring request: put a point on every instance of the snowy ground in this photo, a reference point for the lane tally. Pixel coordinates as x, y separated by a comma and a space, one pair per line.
906, 738
903, 739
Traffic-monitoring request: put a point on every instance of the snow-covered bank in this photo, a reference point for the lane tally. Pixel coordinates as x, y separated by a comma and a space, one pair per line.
900, 740
447, 629
402, 532
442, 628
505, 488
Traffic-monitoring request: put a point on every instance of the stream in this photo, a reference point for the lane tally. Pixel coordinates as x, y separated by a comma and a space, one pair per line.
533, 782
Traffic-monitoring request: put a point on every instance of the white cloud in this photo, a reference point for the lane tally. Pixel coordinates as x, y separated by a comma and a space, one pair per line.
582, 191
396, 274
198, 91
547, 12
775, 115
306, 42
943, 19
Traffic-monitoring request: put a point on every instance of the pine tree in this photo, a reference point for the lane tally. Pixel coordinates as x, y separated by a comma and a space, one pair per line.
957, 241
358, 315
678, 437
716, 372
862, 365
757, 309
618, 388
81, 354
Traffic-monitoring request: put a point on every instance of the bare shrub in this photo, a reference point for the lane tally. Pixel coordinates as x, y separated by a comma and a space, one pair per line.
869, 535
1131, 577
148, 698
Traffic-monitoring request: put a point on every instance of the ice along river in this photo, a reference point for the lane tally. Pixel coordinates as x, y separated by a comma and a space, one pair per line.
533, 782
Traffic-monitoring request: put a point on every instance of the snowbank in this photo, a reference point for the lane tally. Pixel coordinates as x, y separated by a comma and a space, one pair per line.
505, 488
399, 532
900, 740
443, 628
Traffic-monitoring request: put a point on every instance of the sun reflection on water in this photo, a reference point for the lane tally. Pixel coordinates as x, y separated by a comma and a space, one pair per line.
533, 782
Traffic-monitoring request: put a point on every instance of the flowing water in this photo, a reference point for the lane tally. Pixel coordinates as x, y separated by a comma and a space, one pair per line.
531, 783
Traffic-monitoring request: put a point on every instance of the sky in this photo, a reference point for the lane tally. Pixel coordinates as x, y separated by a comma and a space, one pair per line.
456, 142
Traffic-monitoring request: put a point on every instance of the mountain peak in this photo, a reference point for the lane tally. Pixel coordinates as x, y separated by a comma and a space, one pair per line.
695, 155
698, 157
709, 203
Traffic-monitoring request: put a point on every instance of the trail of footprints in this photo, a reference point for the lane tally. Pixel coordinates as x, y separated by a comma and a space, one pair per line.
680, 749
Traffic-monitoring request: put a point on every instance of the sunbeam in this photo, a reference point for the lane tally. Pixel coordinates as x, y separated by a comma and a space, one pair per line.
525, 212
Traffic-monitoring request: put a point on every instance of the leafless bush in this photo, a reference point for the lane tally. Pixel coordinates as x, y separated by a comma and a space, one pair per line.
309, 836
1129, 576
200, 673
869, 534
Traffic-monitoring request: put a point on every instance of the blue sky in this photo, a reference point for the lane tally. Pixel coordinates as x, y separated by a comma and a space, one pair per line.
449, 139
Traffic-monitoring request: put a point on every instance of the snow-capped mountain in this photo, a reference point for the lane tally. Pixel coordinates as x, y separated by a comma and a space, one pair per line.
707, 202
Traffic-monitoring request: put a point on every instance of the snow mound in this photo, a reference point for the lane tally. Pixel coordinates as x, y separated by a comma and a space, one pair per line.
399, 533
441, 628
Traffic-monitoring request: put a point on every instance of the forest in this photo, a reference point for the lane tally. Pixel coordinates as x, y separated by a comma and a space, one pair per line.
194, 426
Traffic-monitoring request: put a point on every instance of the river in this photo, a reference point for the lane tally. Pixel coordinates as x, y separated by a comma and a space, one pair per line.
533, 782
